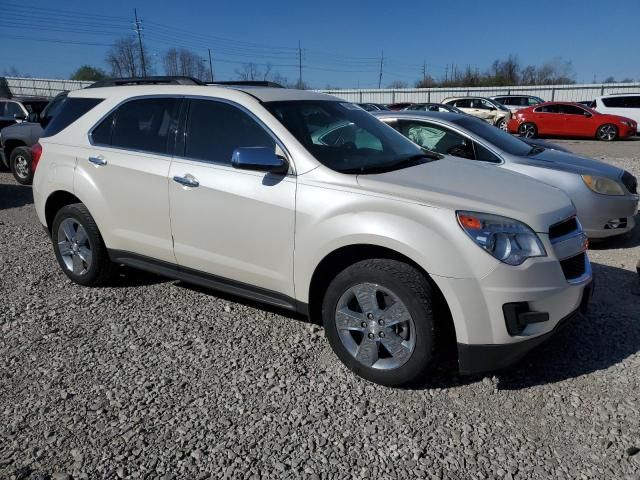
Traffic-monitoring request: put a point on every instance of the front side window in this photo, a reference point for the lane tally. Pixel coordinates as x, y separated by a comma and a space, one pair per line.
436, 138
462, 103
572, 110
216, 129
343, 137
36, 106
532, 101
144, 125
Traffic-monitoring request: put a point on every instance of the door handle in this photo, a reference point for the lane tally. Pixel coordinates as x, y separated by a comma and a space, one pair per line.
98, 161
187, 181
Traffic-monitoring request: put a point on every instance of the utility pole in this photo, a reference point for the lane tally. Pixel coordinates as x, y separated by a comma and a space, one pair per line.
138, 29
424, 72
380, 75
299, 65
446, 71
210, 65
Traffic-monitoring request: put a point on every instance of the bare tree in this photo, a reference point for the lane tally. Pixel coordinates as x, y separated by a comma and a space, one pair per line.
124, 58
248, 72
398, 84
184, 62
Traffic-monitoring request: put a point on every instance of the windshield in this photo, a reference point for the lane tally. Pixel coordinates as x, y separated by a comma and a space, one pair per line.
344, 137
502, 140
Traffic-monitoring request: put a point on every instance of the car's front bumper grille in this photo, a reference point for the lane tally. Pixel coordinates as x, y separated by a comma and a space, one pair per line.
563, 228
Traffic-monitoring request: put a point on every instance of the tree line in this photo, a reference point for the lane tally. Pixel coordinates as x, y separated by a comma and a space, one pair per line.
125, 59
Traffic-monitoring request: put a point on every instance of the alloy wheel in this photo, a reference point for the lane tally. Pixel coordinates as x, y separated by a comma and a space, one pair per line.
502, 125
527, 130
375, 326
607, 132
74, 247
22, 166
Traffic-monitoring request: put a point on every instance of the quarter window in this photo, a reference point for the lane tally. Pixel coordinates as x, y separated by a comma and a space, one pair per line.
145, 124
70, 110
216, 129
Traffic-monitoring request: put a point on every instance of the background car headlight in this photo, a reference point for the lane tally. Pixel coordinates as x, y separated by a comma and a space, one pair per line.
506, 239
603, 185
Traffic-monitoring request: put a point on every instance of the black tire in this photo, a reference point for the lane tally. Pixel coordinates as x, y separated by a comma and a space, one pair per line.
101, 269
607, 132
414, 290
502, 124
528, 130
20, 165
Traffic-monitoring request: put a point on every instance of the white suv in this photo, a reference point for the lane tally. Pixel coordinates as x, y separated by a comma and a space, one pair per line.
303, 201
625, 105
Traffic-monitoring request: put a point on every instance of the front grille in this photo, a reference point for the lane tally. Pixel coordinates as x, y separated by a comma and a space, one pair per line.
630, 182
573, 267
563, 228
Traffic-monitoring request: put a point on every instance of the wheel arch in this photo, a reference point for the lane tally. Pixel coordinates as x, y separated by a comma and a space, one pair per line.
344, 256
55, 201
10, 145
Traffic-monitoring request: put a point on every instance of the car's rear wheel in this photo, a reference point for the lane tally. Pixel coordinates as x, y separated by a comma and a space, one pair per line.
378, 318
528, 130
607, 132
20, 165
502, 124
79, 247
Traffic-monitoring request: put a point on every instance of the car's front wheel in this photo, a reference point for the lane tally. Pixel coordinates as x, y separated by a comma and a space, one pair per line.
528, 130
79, 247
607, 132
378, 318
502, 124
20, 165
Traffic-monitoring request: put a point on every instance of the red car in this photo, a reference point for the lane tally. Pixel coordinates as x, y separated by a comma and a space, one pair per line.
569, 120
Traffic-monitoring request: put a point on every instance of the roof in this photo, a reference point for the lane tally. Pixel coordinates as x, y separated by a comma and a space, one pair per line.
631, 94
263, 94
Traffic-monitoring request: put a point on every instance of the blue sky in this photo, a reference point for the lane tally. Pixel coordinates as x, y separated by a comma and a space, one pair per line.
341, 40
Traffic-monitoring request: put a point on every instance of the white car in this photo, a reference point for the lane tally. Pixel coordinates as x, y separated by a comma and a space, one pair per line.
251, 191
488, 110
516, 102
625, 105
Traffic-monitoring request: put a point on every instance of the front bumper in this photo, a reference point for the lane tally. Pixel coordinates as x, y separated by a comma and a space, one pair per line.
476, 359
597, 211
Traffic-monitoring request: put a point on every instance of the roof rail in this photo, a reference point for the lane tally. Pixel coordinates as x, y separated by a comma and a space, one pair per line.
247, 83
155, 80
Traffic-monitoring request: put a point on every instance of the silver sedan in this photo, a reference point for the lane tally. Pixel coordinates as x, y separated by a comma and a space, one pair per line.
605, 196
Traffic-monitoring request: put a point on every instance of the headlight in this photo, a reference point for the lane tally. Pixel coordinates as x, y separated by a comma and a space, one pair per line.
602, 185
628, 124
506, 239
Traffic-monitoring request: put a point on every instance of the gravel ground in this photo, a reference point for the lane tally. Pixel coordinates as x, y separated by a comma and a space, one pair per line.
156, 379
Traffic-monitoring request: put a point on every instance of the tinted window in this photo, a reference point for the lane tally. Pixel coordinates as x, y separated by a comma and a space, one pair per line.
2, 108
484, 154
101, 135
216, 129
70, 110
35, 107
145, 124
622, 102
572, 110
548, 109
12, 109
461, 103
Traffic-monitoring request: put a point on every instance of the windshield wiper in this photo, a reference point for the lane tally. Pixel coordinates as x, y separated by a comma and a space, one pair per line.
406, 162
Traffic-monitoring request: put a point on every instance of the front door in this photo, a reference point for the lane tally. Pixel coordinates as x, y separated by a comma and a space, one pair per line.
234, 224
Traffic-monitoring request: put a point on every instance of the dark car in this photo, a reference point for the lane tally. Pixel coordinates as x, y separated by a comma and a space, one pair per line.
16, 140
398, 106
17, 109
372, 107
433, 107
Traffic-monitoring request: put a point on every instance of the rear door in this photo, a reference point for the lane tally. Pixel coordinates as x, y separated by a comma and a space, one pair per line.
125, 172
549, 120
236, 225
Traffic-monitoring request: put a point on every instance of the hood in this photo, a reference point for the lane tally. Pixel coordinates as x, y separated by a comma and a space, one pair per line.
13, 130
569, 162
459, 184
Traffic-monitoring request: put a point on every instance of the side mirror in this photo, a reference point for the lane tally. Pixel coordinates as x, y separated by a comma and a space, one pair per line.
33, 117
20, 117
588, 115
261, 159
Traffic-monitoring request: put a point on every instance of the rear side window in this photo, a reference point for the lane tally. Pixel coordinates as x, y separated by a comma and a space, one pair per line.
144, 125
216, 129
70, 110
622, 102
